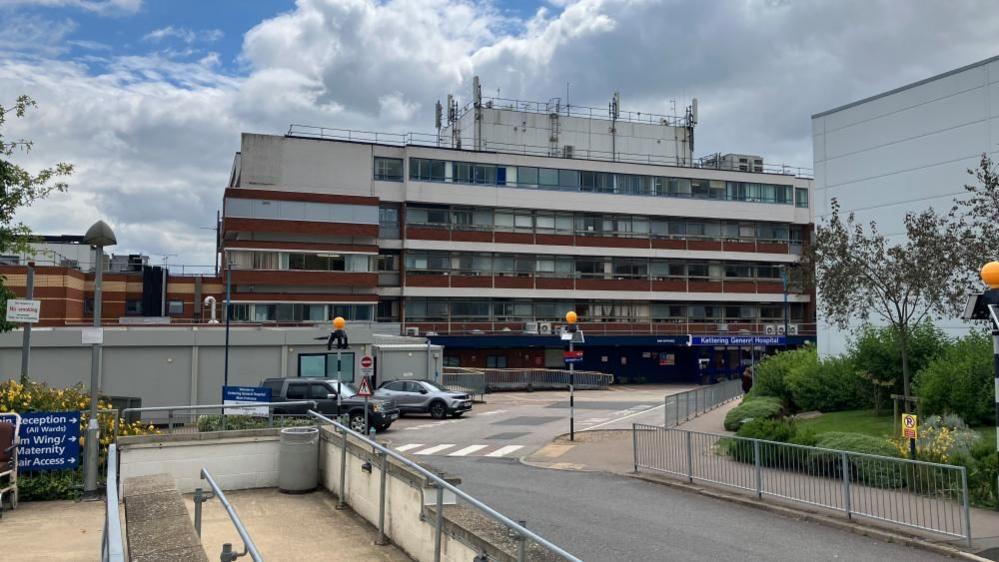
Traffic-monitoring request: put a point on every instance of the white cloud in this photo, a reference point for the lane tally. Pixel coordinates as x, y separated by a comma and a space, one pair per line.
153, 138
184, 34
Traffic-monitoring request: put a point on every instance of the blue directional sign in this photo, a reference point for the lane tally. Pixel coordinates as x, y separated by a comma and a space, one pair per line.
246, 395
738, 340
48, 441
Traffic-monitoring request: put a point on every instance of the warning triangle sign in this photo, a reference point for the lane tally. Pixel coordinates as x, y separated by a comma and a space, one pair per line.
364, 390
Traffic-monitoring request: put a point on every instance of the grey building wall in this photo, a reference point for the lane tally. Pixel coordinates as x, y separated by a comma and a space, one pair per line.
904, 150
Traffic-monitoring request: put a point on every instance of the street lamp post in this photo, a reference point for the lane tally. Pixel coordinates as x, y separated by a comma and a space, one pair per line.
990, 275
570, 320
99, 235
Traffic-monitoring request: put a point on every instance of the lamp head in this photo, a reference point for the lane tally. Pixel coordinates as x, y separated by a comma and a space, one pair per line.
571, 317
339, 323
990, 274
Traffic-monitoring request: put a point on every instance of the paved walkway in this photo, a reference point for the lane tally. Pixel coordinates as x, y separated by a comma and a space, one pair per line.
55, 530
292, 527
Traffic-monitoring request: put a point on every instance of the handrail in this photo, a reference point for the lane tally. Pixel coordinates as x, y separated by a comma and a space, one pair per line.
443, 484
112, 549
248, 546
207, 407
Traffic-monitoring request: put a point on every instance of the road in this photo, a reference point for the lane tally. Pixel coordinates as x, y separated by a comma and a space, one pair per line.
605, 517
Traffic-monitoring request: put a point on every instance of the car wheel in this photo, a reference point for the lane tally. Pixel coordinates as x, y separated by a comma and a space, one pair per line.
357, 423
438, 410
457, 414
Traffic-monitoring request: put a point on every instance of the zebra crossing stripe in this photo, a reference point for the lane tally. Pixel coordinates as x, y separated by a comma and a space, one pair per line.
503, 451
404, 448
467, 450
435, 449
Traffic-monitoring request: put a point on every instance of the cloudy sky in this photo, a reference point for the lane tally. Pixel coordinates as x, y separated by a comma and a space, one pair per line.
148, 97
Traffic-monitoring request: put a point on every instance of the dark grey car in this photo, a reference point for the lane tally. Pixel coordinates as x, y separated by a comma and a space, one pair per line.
424, 396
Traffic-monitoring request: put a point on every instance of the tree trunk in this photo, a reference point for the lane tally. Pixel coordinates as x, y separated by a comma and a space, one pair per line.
903, 343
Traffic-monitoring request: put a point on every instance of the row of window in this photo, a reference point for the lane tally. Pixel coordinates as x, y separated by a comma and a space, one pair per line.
248, 259
498, 310
300, 312
584, 267
596, 224
423, 169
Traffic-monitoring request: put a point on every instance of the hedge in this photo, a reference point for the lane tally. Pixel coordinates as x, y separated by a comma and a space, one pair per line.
828, 385
960, 381
761, 407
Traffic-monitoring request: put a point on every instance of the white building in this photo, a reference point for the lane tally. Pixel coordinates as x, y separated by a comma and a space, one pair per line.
904, 150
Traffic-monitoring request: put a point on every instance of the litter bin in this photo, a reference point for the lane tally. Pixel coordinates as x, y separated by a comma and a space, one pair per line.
298, 462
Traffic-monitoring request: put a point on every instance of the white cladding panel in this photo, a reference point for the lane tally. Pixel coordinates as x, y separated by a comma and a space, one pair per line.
903, 152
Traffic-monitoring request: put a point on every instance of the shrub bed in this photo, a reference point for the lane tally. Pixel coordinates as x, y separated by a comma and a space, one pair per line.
759, 407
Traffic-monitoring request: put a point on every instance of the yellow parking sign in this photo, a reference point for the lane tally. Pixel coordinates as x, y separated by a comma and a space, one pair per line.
910, 426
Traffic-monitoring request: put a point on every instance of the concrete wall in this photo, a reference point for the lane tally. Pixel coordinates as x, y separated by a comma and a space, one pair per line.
184, 365
905, 150
236, 459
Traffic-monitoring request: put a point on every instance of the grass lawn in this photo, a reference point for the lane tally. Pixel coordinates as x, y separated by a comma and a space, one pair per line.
854, 421
864, 421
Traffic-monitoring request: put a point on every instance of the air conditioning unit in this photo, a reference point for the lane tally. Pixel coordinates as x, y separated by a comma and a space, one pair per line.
530, 327
545, 328
792, 329
770, 330
412, 331
780, 329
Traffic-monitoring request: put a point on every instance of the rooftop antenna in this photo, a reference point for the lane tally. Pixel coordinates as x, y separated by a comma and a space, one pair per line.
438, 116
614, 109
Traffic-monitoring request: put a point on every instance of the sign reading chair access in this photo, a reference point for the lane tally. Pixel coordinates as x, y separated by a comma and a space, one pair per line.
48, 441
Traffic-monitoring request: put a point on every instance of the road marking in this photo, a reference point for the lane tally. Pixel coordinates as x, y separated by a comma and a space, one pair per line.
624, 417
492, 413
404, 448
435, 449
502, 451
467, 450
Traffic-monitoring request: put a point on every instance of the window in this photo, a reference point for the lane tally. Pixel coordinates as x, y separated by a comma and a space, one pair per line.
388, 169
801, 197
319, 391
298, 391
496, 362
568, 179
527, 177
548, 177
133, 307
324, 365
176, 308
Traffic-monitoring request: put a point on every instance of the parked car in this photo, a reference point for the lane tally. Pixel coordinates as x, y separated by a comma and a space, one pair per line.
424, 396
381, 412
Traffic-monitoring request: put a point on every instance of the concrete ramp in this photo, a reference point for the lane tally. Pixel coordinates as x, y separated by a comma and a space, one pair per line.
157, 523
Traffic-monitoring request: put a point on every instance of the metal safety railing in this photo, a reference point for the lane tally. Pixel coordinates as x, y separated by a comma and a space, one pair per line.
227, 416
522, 534
228, 555
921, 495
112, 546
685, 406
468, 381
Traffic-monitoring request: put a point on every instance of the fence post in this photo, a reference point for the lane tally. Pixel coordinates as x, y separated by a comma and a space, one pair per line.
687, 416
170, 420
759, 472
967, 508
690, 459
440, 523
521, 544
198, 499
634, 444
381, 500
340, 501
845, 467
676, 402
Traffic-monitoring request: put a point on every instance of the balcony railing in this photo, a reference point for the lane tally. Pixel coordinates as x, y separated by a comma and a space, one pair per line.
623, 328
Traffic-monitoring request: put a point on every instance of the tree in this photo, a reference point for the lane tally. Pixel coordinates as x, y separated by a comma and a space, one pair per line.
981, 214
18, 189
860, 273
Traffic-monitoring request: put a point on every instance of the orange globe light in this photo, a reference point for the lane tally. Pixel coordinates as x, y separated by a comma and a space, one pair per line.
571, 317
990, 274
339, 322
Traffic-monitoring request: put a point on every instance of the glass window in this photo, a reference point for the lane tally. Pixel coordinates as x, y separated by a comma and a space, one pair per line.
523, 220
568, 179
388, 169
738, 271
504, 220
697, 269
462, 172
527, 177
297, 390
484, 174
388, 217
133, 307
176, 308
801, 197
545, 222
548, 177
587, 181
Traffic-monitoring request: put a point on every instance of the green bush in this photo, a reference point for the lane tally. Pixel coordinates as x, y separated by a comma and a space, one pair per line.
827, 385
52, 485
983, 469
876, 351
960, 381
780, 430
865, 470
761, 407
772, 372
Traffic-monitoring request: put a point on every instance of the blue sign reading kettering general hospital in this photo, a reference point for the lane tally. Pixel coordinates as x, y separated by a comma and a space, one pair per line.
48, 441
738, 340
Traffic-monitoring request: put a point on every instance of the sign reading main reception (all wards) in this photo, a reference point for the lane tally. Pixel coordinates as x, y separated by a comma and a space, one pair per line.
48, 441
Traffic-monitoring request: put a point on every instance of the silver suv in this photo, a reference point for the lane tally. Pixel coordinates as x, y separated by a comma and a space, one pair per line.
424, 396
